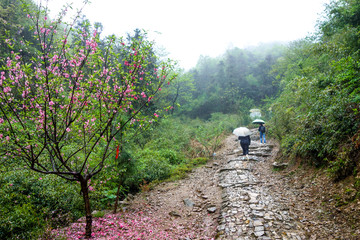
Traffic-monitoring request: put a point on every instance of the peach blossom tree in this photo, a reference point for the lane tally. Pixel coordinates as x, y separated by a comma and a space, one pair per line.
61, 112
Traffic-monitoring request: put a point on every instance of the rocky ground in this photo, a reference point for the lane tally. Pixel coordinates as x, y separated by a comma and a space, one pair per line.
234, 197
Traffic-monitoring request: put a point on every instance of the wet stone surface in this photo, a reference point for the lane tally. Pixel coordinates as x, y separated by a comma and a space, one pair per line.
249, 210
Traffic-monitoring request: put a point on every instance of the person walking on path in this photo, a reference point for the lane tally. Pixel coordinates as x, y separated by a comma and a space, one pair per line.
245, 142
262, 131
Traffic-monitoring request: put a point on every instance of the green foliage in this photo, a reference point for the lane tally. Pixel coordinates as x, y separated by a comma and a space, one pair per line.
316, 116
203, 138
171, 147
179, 94
64, 111
181, 171
152, 166
228, 122
15, 24
341, 167
234, 82
171, 134
171, 156
29, 202
99, 214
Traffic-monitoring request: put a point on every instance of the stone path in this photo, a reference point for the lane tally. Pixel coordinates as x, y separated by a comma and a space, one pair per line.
249, 209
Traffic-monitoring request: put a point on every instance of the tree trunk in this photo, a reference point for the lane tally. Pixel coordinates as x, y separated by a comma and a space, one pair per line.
117, 195
85, 193
120, 175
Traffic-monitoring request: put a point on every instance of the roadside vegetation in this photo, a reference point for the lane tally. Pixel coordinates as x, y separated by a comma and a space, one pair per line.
87, 119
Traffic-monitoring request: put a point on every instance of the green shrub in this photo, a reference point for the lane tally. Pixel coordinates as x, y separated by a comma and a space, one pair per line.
30, 201
152, 166
181, 171
344, 164
173, 157
198, 161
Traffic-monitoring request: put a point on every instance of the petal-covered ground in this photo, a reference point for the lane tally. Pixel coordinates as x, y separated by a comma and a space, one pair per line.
172, 210
130, 225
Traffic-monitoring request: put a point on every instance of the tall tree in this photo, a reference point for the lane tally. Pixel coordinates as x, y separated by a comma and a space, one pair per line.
61, 112
237, 78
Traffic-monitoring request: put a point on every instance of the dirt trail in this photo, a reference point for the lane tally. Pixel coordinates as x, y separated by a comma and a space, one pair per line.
235, 198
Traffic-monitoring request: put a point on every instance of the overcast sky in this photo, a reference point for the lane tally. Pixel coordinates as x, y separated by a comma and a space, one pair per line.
190, 28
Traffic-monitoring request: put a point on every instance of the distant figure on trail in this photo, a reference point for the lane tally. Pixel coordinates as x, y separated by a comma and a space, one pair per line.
262, 131
245, 141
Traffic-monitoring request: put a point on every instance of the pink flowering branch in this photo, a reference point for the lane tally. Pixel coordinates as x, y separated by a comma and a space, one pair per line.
63, 110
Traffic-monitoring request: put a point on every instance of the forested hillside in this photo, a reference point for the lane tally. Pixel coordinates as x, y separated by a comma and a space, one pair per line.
235, 81
316, 116
87, 119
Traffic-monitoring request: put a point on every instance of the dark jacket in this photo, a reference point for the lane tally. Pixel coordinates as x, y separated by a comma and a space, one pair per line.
245, 140
263, 128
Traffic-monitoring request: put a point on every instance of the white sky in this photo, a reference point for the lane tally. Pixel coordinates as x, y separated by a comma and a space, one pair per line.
190, 28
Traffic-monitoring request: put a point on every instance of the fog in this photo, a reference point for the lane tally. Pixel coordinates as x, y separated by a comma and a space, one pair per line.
188, 28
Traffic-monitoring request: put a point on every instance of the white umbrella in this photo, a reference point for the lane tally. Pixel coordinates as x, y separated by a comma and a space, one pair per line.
258, 121
242, 132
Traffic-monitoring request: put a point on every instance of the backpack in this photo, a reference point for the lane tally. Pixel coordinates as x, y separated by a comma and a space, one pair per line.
262, 129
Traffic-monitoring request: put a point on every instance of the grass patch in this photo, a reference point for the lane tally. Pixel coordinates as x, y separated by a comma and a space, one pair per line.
181, 171
178, 172
99, 214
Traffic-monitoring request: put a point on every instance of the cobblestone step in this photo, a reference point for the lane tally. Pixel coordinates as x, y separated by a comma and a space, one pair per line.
249, 211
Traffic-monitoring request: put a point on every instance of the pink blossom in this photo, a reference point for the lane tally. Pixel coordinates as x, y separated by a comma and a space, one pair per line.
24, 94
7, 89
68, 129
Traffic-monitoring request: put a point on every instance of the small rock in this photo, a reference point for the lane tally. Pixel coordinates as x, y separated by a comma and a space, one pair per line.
188, 203
258, 223
268, 216
212, 209
174, 214
259, 229
279, 165
259, 234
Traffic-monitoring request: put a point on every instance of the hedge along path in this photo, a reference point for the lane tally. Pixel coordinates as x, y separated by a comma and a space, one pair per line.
249, 210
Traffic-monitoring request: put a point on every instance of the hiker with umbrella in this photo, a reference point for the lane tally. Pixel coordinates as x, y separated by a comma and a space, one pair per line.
261, 129
243, 134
